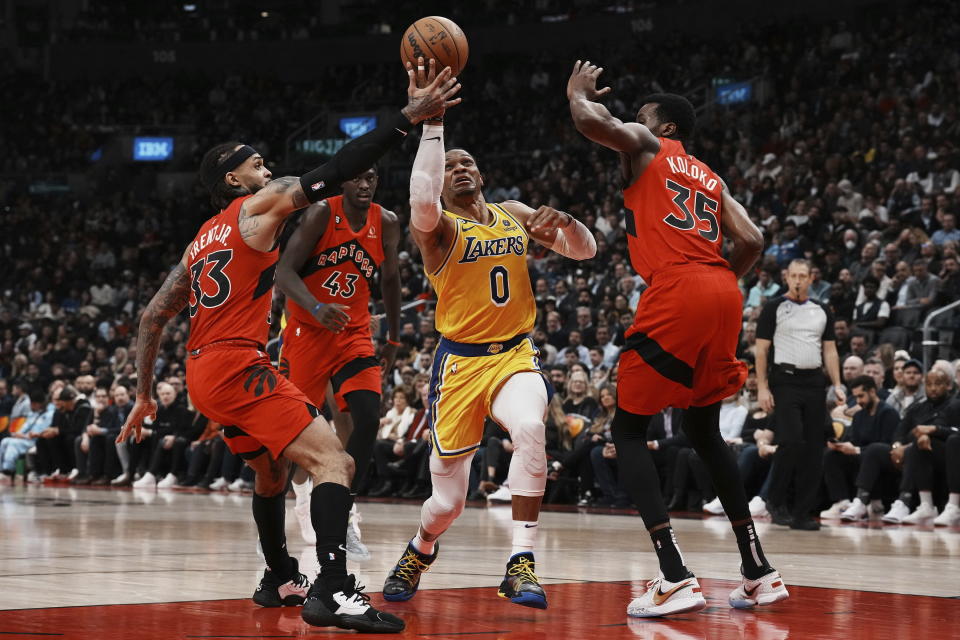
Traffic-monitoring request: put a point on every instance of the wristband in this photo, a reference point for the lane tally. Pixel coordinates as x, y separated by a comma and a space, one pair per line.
317, 307
392, 342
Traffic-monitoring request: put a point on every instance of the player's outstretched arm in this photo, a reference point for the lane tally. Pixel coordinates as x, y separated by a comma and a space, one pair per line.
556, 230
747, 239
283, 196
390, 287
431, 230
170, 300
594, 121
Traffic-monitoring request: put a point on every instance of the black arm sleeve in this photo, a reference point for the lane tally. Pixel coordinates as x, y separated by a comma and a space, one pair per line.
355, 157
767, 322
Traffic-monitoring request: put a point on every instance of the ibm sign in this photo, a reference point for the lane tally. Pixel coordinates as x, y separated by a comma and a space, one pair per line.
152, 149
734, 93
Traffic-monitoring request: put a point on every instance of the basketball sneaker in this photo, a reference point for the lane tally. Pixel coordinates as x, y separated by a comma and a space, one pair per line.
921, 515
520, 584
277, 592
663, 598
765, 590
347, 608
714, 507
404, 579
356, 550
855, 512
147, 481
758, 507
949, 517
898, 511
306, 524
168, 482
835, 510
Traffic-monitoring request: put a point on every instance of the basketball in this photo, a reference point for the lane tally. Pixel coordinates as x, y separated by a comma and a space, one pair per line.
438, 38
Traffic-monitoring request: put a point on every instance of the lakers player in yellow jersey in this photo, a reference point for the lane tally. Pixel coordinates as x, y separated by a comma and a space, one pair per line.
474, 253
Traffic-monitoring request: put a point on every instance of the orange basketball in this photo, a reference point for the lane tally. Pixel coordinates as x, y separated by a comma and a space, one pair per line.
438, 38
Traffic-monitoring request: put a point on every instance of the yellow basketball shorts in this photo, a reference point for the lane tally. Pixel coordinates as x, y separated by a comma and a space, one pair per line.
463, 383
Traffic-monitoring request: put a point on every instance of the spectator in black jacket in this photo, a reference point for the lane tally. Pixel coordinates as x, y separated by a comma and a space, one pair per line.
55, 455
880, 458
173, 431
875, 421
926, 462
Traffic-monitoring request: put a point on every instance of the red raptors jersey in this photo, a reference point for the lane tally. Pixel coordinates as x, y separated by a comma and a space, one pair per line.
342, 265
673, 213
230, 283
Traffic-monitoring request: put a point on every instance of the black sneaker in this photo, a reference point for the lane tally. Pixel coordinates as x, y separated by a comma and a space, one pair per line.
805, 524
780, 515
277, 592
348, 608
521, 584
404, 578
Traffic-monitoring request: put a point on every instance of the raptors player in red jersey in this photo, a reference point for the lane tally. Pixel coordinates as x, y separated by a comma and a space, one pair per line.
225, 278
326, 272
680, 351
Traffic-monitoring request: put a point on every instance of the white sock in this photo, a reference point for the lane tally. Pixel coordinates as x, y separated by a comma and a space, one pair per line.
303, 491
423, 546
955, 499
926, 497
524, 536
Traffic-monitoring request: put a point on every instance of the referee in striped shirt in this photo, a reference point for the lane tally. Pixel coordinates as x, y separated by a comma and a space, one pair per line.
801, 332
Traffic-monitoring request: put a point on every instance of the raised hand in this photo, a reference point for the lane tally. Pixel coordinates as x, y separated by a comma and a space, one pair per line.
583, 82
429, 94
145, 407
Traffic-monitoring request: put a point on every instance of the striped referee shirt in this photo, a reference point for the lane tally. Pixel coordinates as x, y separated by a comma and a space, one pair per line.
797, 330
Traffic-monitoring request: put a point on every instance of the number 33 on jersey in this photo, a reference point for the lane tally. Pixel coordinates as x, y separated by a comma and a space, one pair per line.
230, 283
673, 213
483, 285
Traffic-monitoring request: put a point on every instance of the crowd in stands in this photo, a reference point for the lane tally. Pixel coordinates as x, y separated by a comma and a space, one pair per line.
852, 162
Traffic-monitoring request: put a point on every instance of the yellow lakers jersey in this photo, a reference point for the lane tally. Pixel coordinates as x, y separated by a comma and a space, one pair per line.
483, 286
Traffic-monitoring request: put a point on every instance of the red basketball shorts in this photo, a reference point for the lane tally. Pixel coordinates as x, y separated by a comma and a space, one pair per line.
311, 356
234, 383
681, 349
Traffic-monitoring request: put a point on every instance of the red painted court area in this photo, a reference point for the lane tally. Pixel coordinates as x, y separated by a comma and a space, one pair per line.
580, 610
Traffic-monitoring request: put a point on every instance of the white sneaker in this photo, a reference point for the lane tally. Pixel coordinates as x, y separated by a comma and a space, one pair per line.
33, 478
306, 524
148, 481
898, 511
949, 517
855, 512
236, 486
758, 507
835, 510
663, 598
924, 513
73, 474
356, 550
168, 482
762, 591
219, 484
714, 507
501, 495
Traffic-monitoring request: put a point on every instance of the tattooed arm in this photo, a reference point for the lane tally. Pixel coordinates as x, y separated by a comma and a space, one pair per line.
170, 300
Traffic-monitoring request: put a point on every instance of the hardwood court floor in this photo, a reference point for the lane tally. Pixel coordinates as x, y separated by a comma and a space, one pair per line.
89, 564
